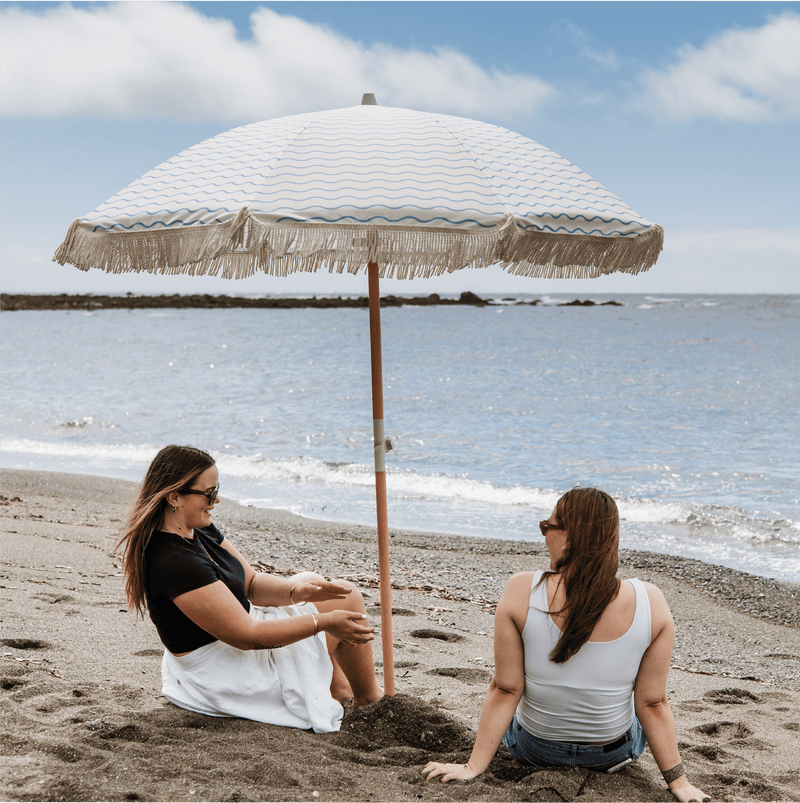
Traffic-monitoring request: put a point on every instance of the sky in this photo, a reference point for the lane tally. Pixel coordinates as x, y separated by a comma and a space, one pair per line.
688, 111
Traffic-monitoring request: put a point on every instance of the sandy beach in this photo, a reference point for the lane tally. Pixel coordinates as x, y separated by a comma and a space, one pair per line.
83, 717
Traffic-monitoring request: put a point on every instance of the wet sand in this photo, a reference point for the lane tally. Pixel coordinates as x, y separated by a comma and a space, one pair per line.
83, 717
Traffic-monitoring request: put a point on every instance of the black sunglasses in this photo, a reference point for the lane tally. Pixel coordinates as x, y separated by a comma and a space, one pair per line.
210, 495
546, 525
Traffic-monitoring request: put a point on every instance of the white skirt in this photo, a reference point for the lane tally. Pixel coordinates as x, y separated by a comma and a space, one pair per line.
287, 686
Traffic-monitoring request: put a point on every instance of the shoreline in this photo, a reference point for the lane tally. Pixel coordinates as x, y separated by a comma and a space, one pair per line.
759, 596
84, 718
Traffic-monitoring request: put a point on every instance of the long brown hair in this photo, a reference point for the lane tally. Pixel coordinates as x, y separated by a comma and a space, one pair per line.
588, 566
172, 469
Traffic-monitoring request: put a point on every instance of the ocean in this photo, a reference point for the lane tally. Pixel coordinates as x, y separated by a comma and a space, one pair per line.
684, 408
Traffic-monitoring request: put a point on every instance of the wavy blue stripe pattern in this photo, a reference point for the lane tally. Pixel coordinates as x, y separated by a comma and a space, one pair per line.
370, 166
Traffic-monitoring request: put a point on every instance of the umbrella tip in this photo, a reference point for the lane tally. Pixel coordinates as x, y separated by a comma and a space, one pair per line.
368, 99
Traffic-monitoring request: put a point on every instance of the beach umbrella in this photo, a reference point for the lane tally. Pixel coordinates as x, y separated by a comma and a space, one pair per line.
393, 192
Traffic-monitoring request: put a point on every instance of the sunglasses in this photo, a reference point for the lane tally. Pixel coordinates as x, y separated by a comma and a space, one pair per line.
210, 495
544, 526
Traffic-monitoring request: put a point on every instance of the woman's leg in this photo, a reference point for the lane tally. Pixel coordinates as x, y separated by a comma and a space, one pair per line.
353, 665
341, 689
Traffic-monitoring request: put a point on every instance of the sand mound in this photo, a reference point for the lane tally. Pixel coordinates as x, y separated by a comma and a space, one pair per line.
403, 721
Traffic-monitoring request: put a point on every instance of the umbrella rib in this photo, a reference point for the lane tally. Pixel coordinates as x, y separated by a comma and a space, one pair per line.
437, 121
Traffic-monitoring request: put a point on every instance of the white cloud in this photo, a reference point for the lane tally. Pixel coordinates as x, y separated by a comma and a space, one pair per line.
746, 75
583, 43
168, 60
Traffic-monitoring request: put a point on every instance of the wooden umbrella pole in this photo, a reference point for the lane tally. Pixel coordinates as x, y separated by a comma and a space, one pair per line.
384, 572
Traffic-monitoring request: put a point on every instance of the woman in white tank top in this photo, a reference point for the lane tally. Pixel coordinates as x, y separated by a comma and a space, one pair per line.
581, 659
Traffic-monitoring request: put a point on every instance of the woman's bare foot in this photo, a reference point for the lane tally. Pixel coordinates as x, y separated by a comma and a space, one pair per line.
369, 699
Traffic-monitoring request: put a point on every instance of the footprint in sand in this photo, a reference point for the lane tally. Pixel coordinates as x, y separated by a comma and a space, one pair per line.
725, 731
732, 734
399, 664
12, 680
692, 707
469, 675
376, 608
749, 788
711, 752
731, 696
47, 596
442, 635
15, 676
11, 683
25, 643
39, 690
46, 695
124, 731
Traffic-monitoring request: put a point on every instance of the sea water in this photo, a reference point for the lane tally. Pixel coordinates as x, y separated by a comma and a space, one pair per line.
684, 408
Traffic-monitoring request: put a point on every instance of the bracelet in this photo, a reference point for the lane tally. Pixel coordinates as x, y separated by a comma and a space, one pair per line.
675, 772
316, 623
292, 592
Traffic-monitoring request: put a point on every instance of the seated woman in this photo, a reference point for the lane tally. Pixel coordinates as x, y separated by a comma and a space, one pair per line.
239, 643
581, 659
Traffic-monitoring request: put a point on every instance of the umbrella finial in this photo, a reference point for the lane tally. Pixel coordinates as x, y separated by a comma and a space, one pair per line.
368, 99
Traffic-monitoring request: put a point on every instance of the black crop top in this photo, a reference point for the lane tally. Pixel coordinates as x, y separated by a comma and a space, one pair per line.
175, 565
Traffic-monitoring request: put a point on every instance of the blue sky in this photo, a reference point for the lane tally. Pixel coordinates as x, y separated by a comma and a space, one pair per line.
688, 111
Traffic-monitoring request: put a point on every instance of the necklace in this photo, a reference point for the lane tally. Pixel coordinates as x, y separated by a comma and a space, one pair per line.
188, 537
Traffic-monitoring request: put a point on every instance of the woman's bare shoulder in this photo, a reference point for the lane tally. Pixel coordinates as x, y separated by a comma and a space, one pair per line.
514, 602
654, 593
517, 588
518, 585
521, 579
659, 608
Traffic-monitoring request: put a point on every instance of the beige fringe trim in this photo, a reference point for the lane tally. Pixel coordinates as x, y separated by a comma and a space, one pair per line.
244, 246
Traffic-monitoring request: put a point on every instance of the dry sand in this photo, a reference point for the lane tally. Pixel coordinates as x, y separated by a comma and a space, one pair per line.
83, 717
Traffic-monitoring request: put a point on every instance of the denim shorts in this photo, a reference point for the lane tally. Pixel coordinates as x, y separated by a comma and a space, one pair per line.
536, 752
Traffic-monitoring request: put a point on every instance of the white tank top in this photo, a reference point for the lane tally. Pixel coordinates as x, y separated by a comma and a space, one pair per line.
589, 698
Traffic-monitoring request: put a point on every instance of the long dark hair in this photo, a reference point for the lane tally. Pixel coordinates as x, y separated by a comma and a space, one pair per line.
173, 468
588, 566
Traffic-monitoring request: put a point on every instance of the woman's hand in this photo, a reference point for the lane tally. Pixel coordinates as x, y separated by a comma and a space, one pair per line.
349, 627
682, 790
319, 591
449, 772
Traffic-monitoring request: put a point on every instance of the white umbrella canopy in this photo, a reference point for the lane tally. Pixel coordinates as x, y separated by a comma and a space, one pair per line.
418, 193
395, 192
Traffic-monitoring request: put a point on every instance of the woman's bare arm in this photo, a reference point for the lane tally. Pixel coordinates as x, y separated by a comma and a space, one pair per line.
506, 687
215, 609
650, 697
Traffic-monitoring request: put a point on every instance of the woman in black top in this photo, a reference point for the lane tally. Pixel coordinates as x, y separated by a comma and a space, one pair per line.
239, 642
